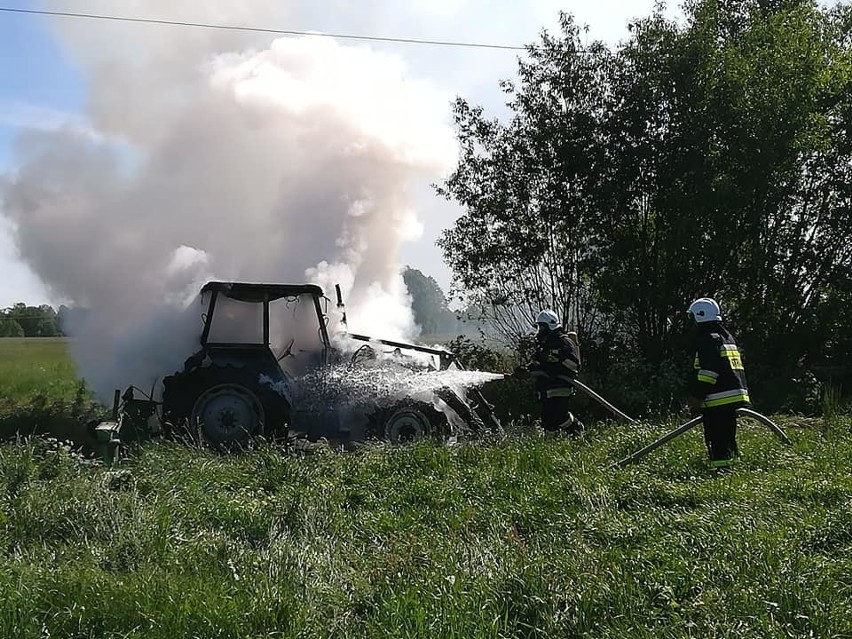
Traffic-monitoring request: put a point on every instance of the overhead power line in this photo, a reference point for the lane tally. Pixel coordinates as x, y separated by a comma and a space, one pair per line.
247, 28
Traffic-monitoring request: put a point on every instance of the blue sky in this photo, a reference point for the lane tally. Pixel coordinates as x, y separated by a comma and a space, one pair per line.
35, 76
37, 86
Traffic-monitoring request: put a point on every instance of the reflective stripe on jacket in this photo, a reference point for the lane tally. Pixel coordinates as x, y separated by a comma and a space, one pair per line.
719, 378
556, 362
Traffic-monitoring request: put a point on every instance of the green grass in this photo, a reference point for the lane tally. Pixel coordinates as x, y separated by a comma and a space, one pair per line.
31, 367
517, 536
39, 390
520, 536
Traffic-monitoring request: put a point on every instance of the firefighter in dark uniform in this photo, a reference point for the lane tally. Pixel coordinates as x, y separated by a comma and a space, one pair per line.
557, 360
718, 385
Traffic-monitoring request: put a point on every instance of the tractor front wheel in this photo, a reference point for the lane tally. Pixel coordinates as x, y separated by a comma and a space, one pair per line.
413, 423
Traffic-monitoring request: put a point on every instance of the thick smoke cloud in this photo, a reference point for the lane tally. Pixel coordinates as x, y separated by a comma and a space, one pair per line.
289, 160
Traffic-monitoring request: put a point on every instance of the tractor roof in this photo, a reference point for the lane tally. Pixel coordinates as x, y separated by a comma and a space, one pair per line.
251, 292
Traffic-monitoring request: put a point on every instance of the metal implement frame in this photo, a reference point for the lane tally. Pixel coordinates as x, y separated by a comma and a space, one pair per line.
692, 423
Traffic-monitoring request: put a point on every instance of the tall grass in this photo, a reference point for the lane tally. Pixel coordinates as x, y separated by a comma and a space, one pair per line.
519, 536
31, 367
40, 391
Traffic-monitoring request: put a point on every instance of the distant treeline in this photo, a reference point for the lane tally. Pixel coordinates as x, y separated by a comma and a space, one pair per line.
21, 320
431, 310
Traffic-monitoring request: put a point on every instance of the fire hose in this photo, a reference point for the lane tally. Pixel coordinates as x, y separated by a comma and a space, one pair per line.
600, 400
680, 430
593, 395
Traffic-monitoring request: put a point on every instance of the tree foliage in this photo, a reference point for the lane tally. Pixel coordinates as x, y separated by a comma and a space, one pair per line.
428, 302
10, 328
712, 157
520, 247
21, 320
431, 308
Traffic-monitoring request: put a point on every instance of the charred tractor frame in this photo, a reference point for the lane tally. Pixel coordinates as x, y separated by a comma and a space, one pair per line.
239, 384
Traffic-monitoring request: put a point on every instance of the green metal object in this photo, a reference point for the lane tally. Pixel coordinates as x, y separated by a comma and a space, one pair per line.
108, 441
129, 424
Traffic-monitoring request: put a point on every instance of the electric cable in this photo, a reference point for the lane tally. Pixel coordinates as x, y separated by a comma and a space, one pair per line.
254, 29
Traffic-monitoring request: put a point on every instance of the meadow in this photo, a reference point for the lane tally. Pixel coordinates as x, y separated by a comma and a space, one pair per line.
40, 391
513, 535
33, 367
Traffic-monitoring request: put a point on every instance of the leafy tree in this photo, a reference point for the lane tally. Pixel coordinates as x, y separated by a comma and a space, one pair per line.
428, 302
10, 328
35, 321
431, 308
521, 244
712, 157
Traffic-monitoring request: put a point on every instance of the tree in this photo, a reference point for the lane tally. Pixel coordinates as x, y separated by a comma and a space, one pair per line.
428, 303
10, 328
708, 158
521, 244
783, 103
35, 321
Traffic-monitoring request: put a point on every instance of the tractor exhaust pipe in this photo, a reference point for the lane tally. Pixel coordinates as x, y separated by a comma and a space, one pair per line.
341, 307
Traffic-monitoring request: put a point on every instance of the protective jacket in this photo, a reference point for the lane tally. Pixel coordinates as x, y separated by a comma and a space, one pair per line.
556, 361
719, 378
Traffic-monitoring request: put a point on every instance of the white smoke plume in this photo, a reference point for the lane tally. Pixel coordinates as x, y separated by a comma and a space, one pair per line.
289, 161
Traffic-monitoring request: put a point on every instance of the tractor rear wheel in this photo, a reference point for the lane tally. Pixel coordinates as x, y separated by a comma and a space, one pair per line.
227, 413
224, 406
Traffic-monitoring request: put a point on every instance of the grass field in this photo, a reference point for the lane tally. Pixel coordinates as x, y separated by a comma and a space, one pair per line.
30, 367
514, 536
522, 536
39, 389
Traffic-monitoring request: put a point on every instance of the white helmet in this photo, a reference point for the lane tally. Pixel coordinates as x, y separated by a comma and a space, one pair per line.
705, 309
548, 319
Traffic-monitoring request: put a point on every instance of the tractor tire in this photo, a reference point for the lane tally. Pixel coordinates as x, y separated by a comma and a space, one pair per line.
226, 407
414, 422
228, 414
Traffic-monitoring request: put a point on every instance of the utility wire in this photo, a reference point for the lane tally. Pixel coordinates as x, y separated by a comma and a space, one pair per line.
290, 32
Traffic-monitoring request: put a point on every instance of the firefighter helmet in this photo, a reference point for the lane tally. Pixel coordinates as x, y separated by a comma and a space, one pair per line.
549, 320
705, 309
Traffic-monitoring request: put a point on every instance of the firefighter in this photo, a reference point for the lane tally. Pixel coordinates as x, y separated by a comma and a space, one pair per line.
718, 385
556, 361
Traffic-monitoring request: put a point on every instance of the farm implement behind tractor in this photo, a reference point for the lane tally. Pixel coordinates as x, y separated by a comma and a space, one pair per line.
267, 367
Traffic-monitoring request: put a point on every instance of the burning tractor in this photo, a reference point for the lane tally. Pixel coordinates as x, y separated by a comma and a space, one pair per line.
267, 367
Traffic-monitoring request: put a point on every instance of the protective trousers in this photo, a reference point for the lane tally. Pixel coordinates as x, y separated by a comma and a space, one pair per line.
556, 415
720, 434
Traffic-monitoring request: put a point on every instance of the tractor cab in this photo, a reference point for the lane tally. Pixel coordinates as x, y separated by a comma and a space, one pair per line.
273, 325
